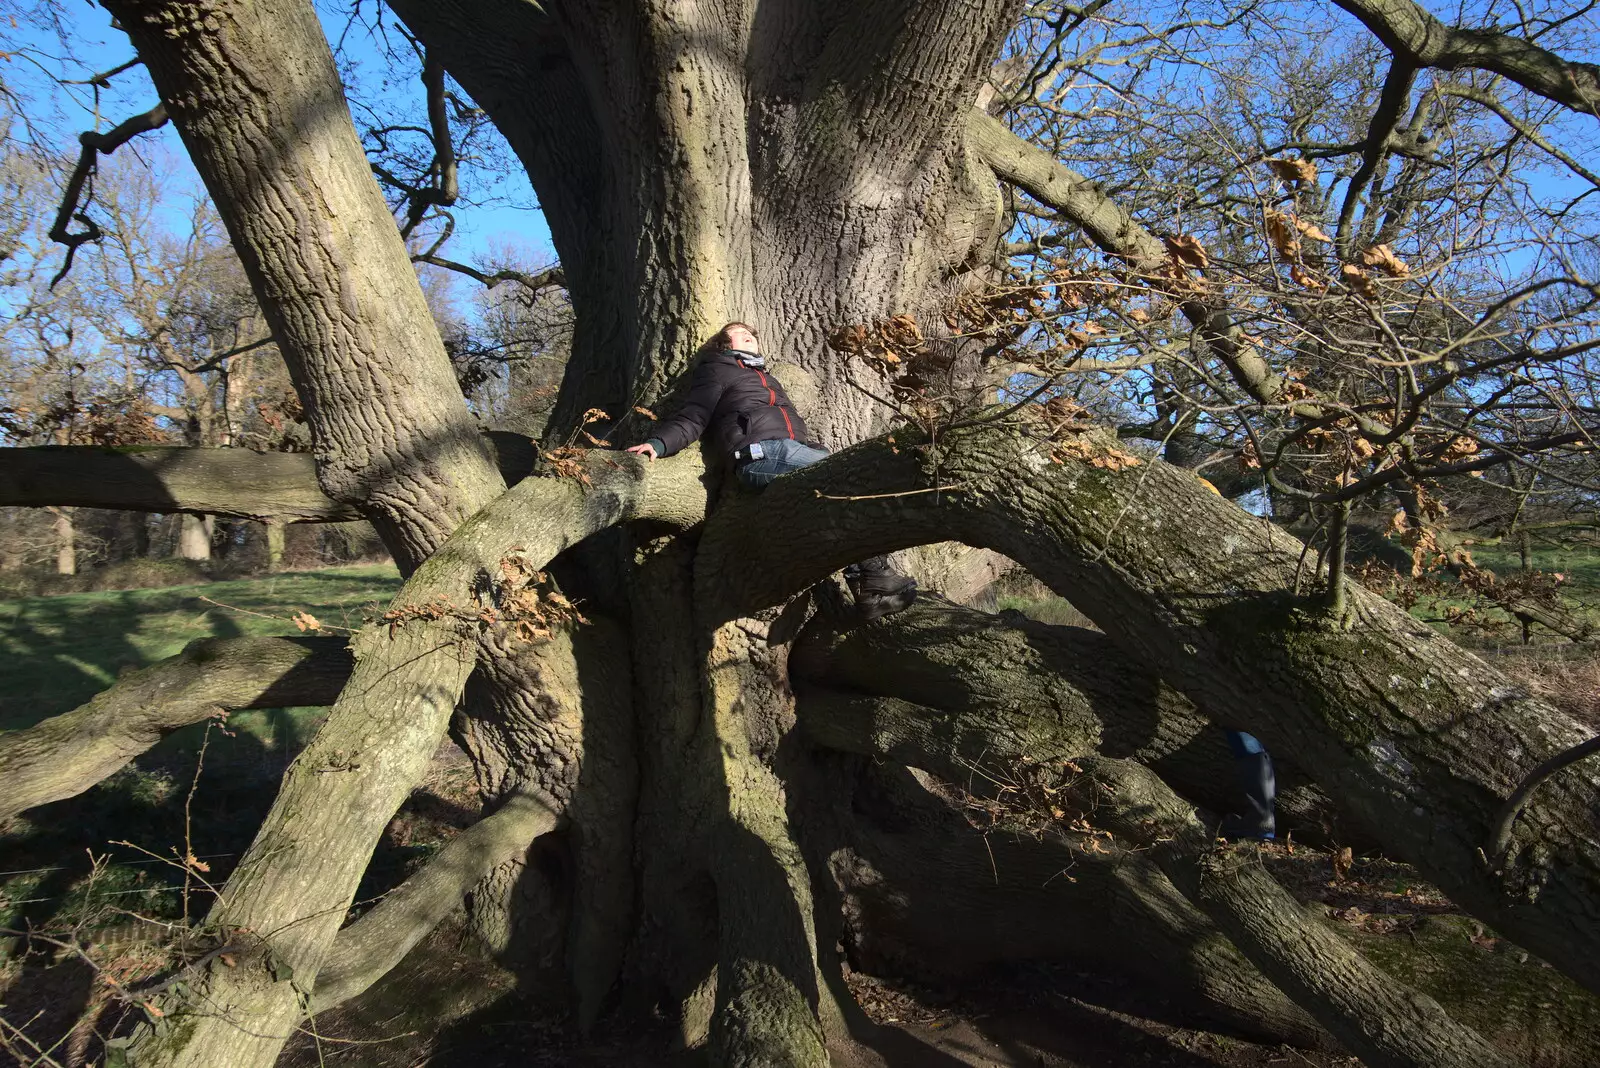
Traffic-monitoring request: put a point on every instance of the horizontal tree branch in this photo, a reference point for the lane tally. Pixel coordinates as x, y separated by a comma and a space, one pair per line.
233, 483
65, 755
368, 949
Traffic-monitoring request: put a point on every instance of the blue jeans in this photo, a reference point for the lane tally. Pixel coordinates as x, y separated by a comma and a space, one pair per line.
778, 457
1244, 745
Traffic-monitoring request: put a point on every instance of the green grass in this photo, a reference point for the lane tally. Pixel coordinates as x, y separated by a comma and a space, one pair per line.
1581, 564
57, 652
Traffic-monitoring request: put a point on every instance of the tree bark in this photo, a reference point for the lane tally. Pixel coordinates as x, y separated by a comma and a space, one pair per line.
227, 483
254, 94
1413, 34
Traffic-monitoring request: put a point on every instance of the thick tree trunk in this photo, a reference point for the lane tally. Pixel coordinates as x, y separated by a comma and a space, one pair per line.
253, 92
273, 534
704, 163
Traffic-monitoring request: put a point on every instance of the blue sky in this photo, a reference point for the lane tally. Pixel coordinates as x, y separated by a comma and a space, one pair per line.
58, 113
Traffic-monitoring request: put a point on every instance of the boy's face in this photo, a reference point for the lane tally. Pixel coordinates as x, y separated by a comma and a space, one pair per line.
743, 340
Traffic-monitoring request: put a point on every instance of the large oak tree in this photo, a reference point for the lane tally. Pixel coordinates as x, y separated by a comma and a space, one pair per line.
803, 165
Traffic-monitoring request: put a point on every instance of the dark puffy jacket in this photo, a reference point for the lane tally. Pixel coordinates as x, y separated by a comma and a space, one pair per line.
739, 404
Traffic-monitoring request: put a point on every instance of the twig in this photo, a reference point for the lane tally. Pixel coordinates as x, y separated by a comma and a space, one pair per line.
189, 861
71, 201
953, 487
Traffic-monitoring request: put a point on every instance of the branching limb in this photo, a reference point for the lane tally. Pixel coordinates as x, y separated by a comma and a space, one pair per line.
1083, 203
533, 283
1526, 129
72, 205
296, 881
1391, 110
1413, 34
66, 754
368, 949
1500, 839
443, 187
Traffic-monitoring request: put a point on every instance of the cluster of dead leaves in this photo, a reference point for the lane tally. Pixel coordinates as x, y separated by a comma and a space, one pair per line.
1297, 172
1065, 424
1285, 230
1037, 797
527, 601
918, 373
1359, 277
105, 421
567, 459
439, 607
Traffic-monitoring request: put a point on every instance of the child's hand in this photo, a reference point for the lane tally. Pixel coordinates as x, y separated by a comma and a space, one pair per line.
647, 450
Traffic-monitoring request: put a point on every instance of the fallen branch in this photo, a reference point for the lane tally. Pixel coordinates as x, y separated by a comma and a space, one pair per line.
233, 483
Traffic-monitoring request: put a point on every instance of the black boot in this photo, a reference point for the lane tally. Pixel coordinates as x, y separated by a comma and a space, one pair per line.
1260, 791
878, 588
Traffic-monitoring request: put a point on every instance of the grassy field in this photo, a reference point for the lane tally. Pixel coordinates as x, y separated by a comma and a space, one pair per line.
56, 652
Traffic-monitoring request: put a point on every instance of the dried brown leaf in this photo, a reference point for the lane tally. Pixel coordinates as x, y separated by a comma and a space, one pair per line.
1383, 258
1298, 171
1187, 250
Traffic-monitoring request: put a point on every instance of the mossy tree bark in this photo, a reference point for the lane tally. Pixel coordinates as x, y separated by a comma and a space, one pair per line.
800, 166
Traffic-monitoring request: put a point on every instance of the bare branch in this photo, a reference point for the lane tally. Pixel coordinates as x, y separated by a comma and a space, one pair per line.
533, 283
72, 206
1414, 35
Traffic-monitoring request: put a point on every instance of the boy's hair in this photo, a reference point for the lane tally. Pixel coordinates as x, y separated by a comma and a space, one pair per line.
720, 338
